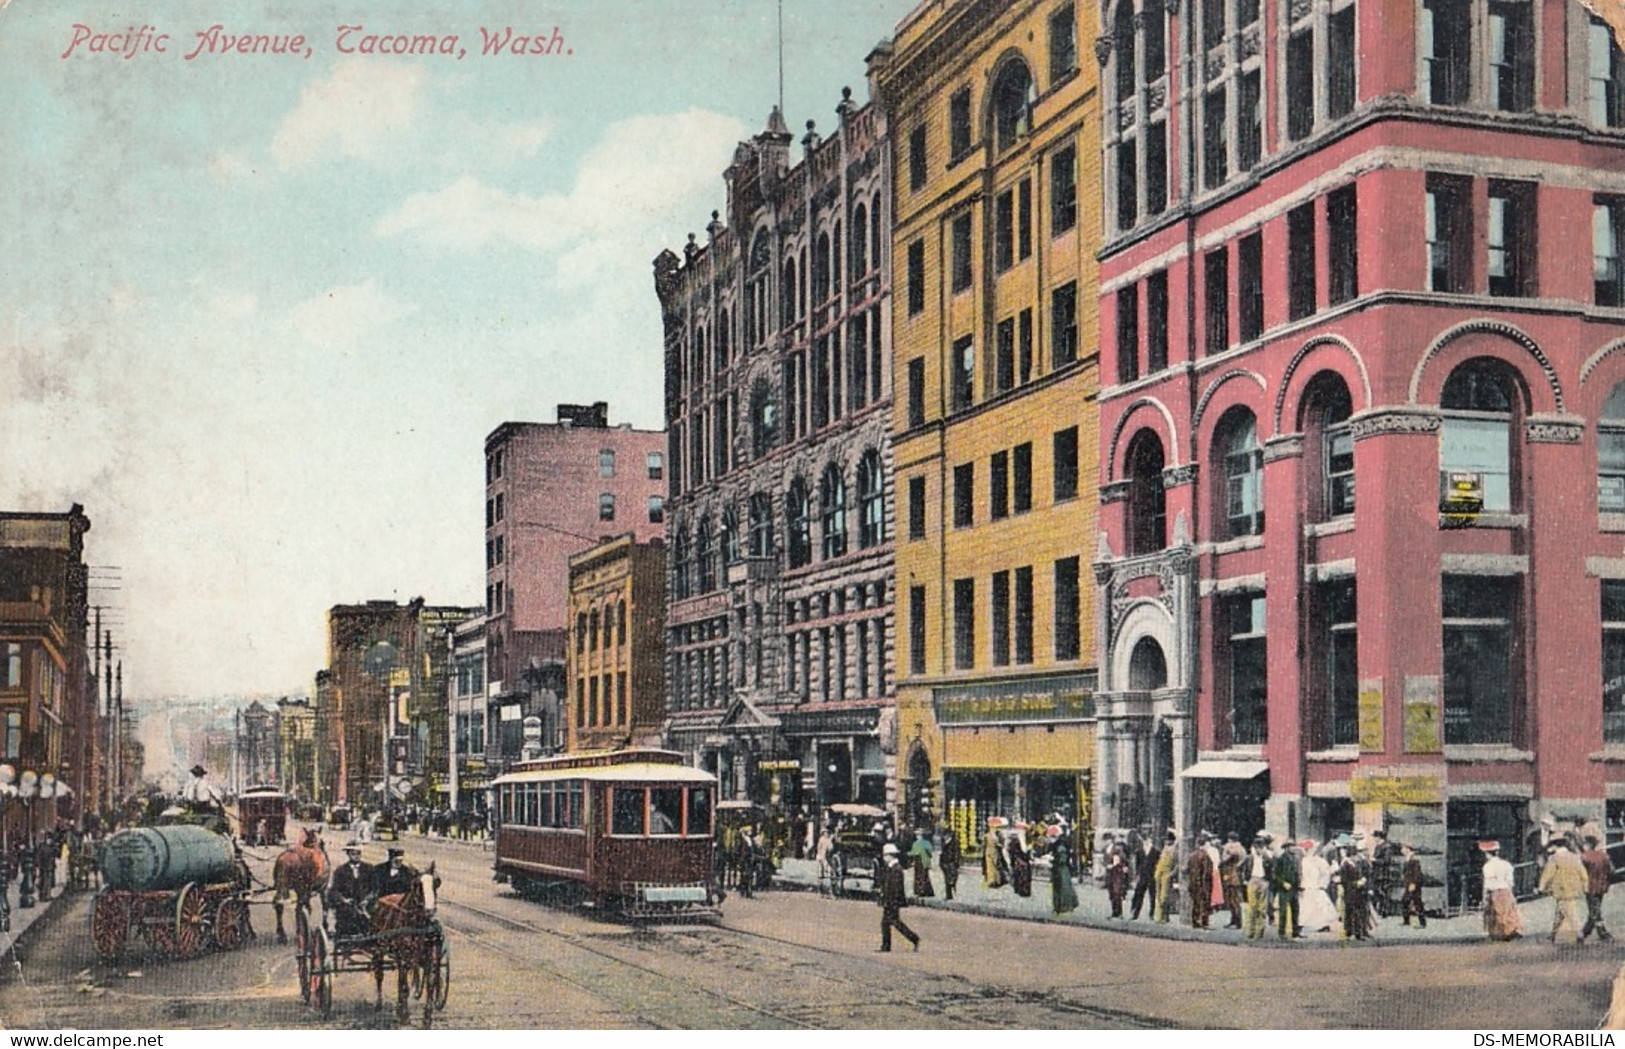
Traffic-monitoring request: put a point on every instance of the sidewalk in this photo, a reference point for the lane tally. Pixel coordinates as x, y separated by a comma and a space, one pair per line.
23, 920
1094, 912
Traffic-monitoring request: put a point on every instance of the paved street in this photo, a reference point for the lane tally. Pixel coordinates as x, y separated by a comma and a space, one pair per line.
796, 959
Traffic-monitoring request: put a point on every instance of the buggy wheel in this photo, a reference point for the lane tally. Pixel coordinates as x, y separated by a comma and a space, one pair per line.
439, 974
321, 975
301, 934
231, 924
109, 925
191, 922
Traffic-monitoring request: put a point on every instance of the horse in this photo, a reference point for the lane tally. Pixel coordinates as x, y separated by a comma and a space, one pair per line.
301, 872
415, 954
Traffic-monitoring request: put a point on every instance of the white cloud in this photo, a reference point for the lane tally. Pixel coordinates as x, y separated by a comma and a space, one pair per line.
354, 112
342, 315
646, 176
506, 141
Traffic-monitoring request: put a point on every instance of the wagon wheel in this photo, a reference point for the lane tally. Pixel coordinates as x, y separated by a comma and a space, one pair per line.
301, 939
321, 975
109, 925
837, 873
231, 924
191, 922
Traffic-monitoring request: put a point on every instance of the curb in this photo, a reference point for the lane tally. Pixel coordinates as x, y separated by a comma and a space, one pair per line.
19, 941
1148, 930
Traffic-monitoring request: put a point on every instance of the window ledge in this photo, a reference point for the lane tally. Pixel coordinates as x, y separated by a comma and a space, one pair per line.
1485, 753
1609, 752
1230, 546
1610, 522
1334, 754
1334, 527
1502, 521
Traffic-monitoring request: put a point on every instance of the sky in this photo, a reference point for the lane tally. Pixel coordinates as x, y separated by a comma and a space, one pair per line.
258, 312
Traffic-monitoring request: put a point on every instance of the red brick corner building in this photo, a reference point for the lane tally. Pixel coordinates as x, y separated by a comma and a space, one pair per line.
1363, 420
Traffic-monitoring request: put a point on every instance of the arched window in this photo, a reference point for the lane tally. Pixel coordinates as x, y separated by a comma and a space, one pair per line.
679, 564
1483, 406
1239, 468
1611, 453
581, 632
871, 501
699, 353
860, 241
764, 418
832, 496
707, 568
1147, 669
730, 536
1326, 411
1013, 96
761, 253
821, 269
761, 525
797, 524
1147, 499
592, 629
724, 346
787, 296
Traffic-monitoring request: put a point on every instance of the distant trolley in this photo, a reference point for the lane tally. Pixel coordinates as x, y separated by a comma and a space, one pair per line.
629, 832
267, 804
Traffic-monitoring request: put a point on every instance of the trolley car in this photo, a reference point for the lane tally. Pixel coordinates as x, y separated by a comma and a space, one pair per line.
267, 804
628, 832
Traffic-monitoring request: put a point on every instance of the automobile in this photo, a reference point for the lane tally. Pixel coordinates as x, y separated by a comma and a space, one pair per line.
855, 849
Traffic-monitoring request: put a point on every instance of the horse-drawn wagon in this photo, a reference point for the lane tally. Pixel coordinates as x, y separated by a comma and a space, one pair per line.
181, 889
403, 935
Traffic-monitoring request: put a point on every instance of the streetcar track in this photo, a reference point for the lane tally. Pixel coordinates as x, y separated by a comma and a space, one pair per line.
581, 945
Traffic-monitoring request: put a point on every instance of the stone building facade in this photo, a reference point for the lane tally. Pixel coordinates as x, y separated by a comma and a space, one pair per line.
617, 655
780, 538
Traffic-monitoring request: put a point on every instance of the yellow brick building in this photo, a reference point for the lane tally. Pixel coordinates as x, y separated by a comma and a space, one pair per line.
995, 131
617, 650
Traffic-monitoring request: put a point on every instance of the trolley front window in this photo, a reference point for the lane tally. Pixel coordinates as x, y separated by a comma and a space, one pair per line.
626, 811
665, 810
699, 812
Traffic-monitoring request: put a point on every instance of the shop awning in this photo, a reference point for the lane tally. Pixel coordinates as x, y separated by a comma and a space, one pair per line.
1226, 770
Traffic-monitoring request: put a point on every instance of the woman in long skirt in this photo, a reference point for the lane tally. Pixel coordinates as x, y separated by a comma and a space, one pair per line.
920, 854
993, 870
1501, 918
1063, 897
1021, 865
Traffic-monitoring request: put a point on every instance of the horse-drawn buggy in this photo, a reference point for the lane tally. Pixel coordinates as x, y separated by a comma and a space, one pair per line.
182, 889
855, 848
402, 934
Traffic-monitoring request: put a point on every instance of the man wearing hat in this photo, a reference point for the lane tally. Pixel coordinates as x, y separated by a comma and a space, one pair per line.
1286, 880
1163, 877
1257, 870
889, 893
199, 795
393, 876
1599, 875
1501, 918
347, 893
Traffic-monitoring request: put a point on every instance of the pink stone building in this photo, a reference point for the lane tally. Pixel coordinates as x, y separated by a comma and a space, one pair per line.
552, 491
1363, 421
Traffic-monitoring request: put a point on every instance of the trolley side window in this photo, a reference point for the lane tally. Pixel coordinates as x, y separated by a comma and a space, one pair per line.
699, 812
665, 811
578, 811
505, 804
626, 811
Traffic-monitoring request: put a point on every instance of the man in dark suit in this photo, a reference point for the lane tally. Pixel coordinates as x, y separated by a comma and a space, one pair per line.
1146, 865
1286, 879
347, 894
393, 876
890, 893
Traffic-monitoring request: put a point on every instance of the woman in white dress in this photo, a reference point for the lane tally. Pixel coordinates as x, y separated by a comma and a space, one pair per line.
1316, 911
